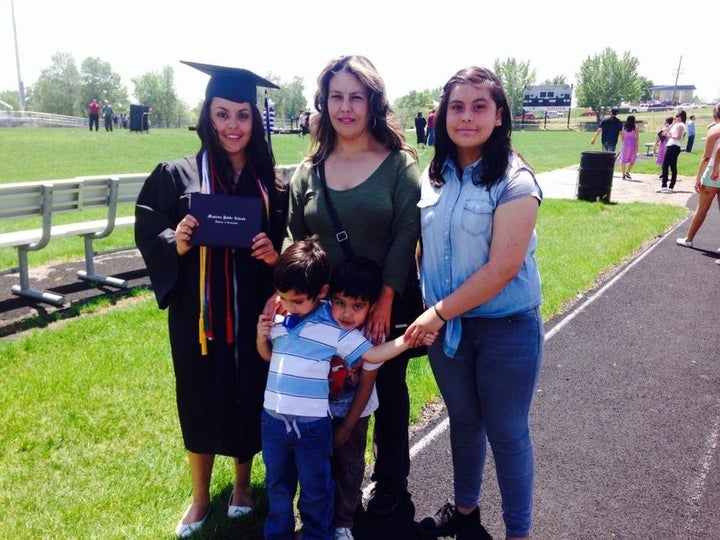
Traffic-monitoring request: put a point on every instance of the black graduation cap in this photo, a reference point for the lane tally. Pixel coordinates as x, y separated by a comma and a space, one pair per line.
235, 84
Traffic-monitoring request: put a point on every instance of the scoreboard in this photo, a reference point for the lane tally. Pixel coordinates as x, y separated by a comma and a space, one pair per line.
547, 97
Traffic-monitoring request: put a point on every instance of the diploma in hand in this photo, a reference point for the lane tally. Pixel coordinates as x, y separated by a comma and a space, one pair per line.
225, 220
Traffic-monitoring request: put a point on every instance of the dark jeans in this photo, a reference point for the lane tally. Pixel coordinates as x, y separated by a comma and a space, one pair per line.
94, 119
609, 146
690, 142
392, 446
108, 123
348, 471
670, 162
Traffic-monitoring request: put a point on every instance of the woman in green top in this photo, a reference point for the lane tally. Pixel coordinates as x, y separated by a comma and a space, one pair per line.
372, 180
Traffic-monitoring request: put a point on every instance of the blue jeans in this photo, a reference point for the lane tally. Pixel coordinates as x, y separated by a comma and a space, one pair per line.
298, 456
488, 388
609, 146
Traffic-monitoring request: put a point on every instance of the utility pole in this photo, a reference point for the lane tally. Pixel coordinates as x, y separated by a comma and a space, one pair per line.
677, 75
21, 88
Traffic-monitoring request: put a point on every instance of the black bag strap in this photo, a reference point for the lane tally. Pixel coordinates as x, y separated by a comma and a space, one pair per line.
341, 235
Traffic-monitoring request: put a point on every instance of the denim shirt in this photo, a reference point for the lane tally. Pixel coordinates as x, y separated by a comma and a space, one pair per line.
457, 227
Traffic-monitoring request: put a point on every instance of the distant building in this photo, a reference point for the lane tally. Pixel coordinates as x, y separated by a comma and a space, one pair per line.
665, 93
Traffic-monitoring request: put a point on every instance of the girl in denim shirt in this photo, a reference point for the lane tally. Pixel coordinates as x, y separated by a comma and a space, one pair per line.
479, 205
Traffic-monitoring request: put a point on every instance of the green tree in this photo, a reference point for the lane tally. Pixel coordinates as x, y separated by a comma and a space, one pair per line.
605, 80
410, 104
12, 98
57, 89
288, 101
515, 76
157, 90
166, 109
100, 82
555, 81
646, 87
435, 94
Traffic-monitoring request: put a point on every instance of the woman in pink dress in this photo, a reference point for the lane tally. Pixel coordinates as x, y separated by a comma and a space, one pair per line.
628, 152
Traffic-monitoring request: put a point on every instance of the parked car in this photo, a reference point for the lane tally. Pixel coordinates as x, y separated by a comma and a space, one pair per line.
554, 114
525, 116
661, 106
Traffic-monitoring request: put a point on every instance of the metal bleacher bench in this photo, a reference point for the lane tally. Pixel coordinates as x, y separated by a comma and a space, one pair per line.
44, 199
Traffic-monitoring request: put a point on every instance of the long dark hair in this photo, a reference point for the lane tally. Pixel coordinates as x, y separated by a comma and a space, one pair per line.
630, 123
384, 124
497, 149
257, 153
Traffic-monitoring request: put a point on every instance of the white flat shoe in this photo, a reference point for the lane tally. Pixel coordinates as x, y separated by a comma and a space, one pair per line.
184, 530
237, 511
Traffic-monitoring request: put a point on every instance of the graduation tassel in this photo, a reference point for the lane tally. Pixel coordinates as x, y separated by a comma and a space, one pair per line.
229, 330
201, 321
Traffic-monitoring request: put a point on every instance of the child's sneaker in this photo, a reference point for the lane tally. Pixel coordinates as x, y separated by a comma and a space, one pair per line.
343, 533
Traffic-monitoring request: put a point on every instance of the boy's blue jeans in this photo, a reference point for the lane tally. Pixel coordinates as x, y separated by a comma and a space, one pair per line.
298, 452
488, 387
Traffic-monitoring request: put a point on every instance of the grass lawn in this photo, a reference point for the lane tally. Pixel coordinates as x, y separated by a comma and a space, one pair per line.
90, 446
46, 154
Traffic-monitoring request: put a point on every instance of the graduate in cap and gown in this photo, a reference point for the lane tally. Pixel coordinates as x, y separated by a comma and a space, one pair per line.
213, 295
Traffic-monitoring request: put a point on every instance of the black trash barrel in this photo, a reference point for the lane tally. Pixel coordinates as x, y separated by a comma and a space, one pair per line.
139, 118
595, 176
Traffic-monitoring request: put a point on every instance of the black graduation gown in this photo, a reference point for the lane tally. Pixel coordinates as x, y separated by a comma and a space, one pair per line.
219, 396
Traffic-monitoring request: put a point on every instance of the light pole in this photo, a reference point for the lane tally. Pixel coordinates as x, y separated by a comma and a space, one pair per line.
677, 75
21, 88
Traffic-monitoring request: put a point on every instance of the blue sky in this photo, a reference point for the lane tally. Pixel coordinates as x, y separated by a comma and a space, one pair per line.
414, 48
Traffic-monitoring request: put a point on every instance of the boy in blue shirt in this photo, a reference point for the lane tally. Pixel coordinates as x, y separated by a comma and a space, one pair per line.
297, 438
355, 286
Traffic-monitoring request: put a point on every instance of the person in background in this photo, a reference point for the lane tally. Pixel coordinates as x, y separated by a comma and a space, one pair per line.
431, 127
674, 133
479, 206
371, 175
707, 185
297, 434
108, 114
420, 124
610, 130
660, 144
629, 146
94, 114
690, 133
304, 123
214, 294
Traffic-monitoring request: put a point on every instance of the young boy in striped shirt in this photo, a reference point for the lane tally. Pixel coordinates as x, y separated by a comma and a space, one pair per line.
297, 433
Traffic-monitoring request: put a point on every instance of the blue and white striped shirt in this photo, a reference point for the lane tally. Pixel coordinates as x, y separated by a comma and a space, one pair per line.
297, 381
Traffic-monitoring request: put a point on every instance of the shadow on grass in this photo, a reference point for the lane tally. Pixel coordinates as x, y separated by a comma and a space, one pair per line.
20, 314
